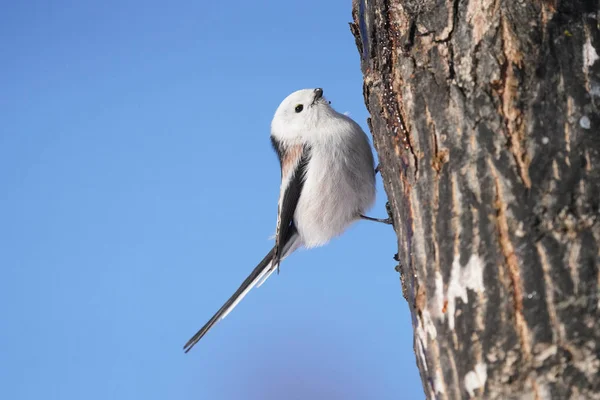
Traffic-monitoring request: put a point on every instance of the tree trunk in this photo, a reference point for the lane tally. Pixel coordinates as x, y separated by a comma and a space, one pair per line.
485, 115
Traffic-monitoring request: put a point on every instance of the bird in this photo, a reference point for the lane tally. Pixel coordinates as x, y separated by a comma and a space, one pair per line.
327, 184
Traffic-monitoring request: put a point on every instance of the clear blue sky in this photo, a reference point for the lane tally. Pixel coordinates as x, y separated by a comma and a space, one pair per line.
139, 188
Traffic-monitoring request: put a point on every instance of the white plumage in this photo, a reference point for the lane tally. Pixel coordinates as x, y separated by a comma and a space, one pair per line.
327, 183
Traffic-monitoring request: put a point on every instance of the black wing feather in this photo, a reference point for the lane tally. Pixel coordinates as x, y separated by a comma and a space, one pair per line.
290, 202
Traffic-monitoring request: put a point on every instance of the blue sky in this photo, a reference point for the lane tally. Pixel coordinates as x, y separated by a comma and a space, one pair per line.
139, 188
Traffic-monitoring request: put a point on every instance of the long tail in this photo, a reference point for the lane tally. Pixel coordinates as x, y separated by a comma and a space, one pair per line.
262, 271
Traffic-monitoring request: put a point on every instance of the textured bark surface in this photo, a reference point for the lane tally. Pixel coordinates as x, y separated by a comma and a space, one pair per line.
486, 119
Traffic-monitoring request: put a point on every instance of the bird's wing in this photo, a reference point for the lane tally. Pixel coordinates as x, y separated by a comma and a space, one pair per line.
294, 160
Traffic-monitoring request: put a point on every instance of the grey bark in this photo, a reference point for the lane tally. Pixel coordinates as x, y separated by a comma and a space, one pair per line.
485, 115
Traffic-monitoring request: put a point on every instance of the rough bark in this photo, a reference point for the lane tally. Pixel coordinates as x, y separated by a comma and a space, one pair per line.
486, 118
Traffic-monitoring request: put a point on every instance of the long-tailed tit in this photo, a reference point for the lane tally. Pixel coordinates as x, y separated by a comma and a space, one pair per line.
327, 183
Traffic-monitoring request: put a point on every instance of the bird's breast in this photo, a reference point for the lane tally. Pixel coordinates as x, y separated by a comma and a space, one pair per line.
337, 189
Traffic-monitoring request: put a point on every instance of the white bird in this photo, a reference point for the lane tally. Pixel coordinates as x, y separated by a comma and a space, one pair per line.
327, 183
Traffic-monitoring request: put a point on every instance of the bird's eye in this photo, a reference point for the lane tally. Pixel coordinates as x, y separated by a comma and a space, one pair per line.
299, 108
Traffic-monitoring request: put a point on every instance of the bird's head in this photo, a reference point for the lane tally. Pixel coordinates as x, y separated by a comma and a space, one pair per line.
301, 114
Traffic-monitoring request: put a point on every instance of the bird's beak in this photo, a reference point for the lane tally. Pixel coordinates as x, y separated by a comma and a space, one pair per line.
318, 95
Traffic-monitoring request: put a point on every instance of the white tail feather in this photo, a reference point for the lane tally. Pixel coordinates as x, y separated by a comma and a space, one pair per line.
254, 283
291, 246
264, 276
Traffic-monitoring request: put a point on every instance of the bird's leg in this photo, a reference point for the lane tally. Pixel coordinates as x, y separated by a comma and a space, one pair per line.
389, 220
